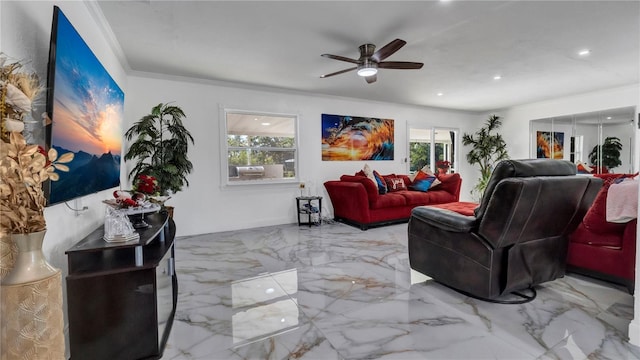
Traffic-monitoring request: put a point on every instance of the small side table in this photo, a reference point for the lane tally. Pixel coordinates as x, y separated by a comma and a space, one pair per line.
310, 209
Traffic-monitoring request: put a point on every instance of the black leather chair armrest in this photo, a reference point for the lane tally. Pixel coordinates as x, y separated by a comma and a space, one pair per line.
444, 219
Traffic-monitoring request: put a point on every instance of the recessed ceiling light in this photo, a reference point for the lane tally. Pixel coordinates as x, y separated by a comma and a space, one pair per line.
497, 77
584, 52
608, 117
439, 94
265, 124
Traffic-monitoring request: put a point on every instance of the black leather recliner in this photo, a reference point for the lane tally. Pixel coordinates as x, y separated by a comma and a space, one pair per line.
518, 237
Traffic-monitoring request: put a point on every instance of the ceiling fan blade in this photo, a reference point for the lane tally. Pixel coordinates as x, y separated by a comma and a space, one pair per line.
400, 65
341, 58
339, 72
371, 79
388, 50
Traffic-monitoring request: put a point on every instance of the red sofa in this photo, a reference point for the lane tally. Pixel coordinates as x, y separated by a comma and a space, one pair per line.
356, 200
601, 249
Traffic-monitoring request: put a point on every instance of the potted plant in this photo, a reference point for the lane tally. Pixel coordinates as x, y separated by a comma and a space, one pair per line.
160, 149
23, 169
488, 147
31, 287
610, 152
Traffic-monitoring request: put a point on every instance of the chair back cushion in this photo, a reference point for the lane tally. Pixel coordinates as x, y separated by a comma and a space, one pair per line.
541, 201
523, 168
525, 209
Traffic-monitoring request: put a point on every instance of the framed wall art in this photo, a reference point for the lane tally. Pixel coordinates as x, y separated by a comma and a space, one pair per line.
549, 145
347, 138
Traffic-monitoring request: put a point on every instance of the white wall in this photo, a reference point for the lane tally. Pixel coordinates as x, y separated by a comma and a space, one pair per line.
206, 206
517, 118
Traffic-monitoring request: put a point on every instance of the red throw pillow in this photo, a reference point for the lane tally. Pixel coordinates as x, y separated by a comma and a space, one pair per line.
394, 183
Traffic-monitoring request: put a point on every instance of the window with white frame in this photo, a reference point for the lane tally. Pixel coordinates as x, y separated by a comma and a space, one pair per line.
432, 147
259, 147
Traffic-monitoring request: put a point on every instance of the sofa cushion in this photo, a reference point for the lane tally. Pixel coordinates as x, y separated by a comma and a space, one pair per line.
461, 207
596, 218
389, 200
584, 236
416, 197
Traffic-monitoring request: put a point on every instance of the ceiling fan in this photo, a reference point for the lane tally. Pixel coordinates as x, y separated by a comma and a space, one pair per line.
370, 61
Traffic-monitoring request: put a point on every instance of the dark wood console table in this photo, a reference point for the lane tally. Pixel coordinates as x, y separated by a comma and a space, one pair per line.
122, 296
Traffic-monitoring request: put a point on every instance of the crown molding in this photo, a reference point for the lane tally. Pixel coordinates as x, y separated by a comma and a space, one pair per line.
105, 28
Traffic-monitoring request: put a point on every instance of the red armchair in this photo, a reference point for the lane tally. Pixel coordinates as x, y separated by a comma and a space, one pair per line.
601, 249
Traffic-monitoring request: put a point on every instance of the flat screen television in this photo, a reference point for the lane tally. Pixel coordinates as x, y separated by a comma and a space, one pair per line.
86, 108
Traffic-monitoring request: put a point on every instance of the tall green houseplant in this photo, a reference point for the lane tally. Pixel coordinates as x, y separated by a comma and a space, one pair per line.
488, 147
610, 152
160, 148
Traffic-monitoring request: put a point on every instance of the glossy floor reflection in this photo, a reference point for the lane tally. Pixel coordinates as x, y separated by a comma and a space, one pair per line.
335, 292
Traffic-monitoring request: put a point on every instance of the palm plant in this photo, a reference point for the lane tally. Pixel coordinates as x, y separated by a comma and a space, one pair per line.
487, 149
610, 152
160, 148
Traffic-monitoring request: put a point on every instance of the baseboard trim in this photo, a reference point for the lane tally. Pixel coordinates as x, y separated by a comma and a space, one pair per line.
634, 331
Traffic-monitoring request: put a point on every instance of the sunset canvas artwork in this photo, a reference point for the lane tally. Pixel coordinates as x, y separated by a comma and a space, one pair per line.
356, 138
549, 145
87, 116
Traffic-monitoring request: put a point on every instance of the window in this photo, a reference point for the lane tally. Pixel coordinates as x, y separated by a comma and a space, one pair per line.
259, 148
428, 146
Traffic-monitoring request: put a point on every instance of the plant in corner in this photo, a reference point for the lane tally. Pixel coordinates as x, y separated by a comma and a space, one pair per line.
160, 148
610, 152
488, 147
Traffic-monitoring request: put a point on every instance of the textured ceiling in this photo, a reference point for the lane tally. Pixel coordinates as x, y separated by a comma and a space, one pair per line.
533, 45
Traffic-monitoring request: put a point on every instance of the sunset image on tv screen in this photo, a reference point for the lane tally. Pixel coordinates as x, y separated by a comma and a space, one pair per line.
87, 115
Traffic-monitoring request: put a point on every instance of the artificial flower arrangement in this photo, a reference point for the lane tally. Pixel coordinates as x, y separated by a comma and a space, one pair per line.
146, 184
144, 192
18, 91
23, 167
443, 164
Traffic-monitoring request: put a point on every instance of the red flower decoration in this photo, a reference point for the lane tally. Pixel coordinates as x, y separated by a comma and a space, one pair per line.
146, 184
443, 164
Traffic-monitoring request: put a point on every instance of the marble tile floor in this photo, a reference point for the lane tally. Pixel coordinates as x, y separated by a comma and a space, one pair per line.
336, 292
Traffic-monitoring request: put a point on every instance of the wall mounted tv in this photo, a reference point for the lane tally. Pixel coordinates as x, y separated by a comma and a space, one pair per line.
86, 109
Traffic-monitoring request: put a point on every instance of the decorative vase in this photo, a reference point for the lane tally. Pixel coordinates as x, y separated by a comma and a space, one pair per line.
8, 253
30, 264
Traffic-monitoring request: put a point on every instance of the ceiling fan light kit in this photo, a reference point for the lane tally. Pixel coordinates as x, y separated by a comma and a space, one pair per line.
370, 61
368, 69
